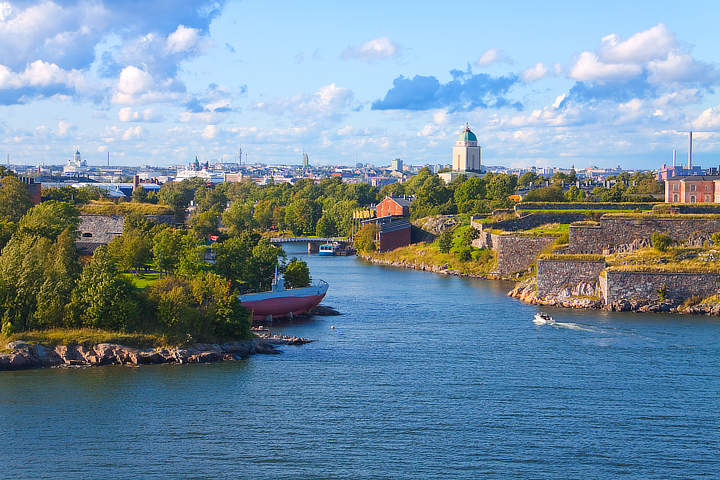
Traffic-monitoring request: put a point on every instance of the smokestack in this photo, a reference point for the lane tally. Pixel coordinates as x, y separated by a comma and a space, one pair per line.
690, 150
674, 153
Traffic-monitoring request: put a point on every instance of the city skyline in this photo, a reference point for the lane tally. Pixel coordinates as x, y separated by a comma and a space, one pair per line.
349, 83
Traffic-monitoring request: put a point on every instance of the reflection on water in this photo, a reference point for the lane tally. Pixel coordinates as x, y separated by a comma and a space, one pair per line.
423, 376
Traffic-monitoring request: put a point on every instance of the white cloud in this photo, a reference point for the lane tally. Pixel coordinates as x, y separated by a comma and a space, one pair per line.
492, 55
210, 132
183, 39
39, 74
709, 119
589, 68
132, 132
652, 44
375, 49
329, 101
127, 114
533, 74
64, 128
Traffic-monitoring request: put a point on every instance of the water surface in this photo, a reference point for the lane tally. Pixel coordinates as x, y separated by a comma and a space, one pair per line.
424, 376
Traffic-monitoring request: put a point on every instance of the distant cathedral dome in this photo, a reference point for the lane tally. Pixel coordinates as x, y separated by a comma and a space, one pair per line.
467, 135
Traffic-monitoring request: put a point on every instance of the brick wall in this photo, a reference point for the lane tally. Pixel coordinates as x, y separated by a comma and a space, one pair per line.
644, 286
555, 275
394, 239
618, 231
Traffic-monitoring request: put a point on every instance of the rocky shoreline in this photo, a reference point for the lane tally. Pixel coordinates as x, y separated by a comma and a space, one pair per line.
28, 355
586, 296
426, 267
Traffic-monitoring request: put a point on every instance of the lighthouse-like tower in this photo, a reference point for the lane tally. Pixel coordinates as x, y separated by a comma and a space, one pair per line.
466, 155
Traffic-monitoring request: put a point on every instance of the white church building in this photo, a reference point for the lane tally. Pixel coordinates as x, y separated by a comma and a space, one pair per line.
466, 157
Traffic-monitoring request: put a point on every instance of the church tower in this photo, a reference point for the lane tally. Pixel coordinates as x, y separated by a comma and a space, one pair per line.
466, 153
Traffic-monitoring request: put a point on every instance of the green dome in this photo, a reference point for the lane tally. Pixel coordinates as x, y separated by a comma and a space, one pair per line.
467, 136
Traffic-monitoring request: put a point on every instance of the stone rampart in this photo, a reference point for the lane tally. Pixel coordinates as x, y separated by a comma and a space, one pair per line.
531, 220
644, 286
553, 276
515, 252
615, 232
584, 206
96, 230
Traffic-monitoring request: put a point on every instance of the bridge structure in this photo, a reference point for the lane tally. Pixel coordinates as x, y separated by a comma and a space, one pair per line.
313, 243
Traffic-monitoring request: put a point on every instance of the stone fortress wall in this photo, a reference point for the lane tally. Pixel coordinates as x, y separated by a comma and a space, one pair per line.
612, 232
97, 230
645, 286
556, 275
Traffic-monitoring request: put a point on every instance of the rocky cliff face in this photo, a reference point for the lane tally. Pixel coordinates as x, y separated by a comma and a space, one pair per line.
27, 355
582, 295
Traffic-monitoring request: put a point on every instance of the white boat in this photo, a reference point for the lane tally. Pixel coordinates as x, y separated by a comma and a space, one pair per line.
543, 319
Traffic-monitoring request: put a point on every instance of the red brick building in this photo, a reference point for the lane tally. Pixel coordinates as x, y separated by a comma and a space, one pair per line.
393, 234
394, 206
693, 189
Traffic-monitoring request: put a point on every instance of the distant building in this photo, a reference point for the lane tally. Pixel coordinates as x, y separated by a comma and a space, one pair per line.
693, 189
396, 165
466, 152
76, 165
466, 157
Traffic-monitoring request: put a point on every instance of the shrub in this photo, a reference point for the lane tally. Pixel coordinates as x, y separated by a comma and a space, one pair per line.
694, 300
661, 241
662, 293
465, 255
445, 241
715, 237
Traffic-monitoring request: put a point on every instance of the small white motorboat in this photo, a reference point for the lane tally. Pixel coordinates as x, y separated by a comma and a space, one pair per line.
542, 318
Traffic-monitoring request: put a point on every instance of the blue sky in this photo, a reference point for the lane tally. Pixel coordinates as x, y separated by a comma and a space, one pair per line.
541, 83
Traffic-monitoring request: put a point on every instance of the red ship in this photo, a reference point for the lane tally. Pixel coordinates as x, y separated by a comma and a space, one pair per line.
280, 302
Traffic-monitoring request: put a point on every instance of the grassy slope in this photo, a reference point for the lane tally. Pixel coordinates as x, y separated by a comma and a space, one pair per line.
674, 260
123, 208
86, 336
430, 254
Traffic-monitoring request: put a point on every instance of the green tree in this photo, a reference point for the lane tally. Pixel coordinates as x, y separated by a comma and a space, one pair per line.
60, 275
574, 194
325, 227
166, 248
500, 186
233, 257
468, 193
49, 219
301, 216
297, 274
263, 263
528, 178
14, 199
364, 240
205, 223
139, 195
553, 193
445, 241
238, 218
103, 298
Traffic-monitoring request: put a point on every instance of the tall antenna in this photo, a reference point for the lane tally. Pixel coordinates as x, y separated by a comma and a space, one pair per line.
240, 155
690, 150
108, 156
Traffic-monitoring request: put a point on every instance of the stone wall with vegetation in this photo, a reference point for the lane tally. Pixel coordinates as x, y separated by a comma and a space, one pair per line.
96, 230
531, 220
612, 231
656, 287
555, 275
584, 206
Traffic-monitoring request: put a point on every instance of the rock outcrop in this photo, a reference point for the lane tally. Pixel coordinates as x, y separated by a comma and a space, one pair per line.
582, 295
28, 355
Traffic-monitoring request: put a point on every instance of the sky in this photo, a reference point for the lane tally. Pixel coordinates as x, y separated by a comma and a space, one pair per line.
556, 83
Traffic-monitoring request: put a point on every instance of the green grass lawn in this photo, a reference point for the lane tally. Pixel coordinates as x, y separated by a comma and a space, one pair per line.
549, 229
142, 280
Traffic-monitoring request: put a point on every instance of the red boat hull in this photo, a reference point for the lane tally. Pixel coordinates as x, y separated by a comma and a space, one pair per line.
282, 306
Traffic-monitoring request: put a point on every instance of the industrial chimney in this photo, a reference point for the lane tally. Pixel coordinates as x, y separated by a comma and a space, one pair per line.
690, 150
